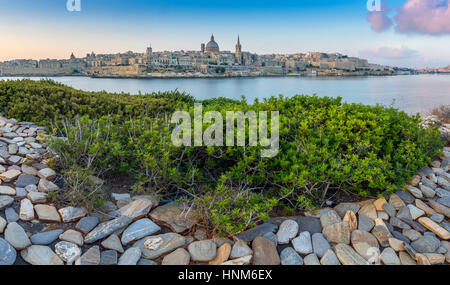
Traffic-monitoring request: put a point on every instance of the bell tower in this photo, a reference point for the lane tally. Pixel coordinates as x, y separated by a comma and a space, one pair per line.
238, 52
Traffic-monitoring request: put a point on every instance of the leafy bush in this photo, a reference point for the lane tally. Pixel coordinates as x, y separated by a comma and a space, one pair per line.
46, 102
77, 156
229, 211
326, 146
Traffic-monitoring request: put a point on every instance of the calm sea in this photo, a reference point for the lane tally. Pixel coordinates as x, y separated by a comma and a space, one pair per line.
411, 93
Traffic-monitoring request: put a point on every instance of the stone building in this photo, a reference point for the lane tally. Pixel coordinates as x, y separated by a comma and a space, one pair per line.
212, 46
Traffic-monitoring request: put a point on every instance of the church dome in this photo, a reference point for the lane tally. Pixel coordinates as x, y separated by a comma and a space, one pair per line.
212, 46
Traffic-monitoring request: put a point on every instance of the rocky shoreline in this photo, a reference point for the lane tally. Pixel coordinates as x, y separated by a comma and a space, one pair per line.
409, 227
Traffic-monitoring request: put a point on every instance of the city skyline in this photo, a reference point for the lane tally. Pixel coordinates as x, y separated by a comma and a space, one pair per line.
47, 30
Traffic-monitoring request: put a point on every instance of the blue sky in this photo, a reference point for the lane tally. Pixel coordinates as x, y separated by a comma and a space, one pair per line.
45, 29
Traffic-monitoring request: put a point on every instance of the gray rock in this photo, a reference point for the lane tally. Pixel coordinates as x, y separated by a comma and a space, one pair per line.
202, 251
136, 209
131, 256
155, 246
90, 257
348, 256
11, 215
329, 218
143, 262
365, 223
443, 182
71, 214
47, 173
138, 230
342, 208
45, 238
221, 240
7, 253
329, 258
302, 244
272, 237
21, 192
121, 198
25, 179
427, 182
47, 186
389, 257
438, 218
108, 257
308, 224
404, 213
15, 235
179, 257
200, 234
415, 212
444, 201
383, 215
6, 190
442, 250
415, 225
445, 225
14, 159
261, 230
67, 251
427, 191
320, 244
412, 235
72, 236
311, 260
287, 231
240, 249
5, 201
305, 223
13, 148
442, 193
113, 242
107, 228
37, 197
397, 223
86, 224
426, 244
405, 196
31, 188
390, 210
40, 255
109, 206
289, 256
399, 236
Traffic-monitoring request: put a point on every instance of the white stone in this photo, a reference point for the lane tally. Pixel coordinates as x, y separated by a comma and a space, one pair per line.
302, 244
26, 210
287, 231
6, 190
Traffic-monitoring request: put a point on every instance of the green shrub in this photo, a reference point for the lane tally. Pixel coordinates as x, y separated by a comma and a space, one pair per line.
229, 211
326, 146
47, 102
79, 156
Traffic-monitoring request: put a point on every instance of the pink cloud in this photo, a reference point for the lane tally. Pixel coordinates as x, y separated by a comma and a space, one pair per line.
424, 16
379, 20
395, 52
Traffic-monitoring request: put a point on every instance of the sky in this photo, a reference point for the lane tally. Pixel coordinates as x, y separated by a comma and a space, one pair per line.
406, 33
